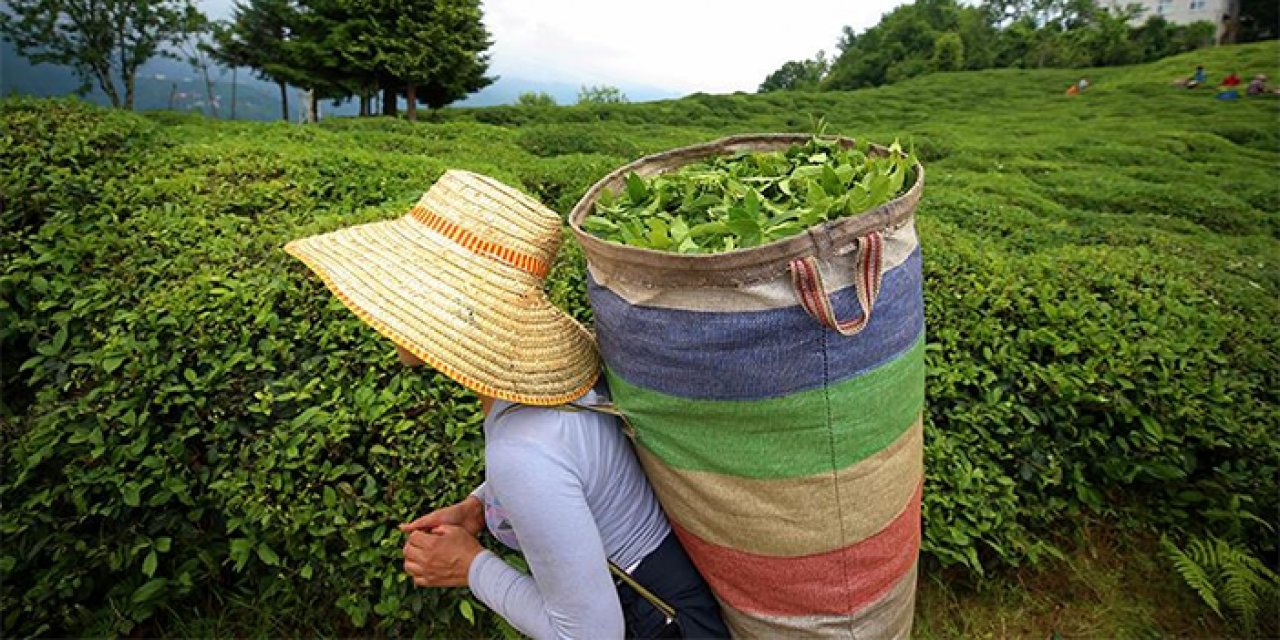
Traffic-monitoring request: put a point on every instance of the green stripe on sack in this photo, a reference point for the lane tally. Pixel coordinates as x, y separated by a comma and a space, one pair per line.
781, 437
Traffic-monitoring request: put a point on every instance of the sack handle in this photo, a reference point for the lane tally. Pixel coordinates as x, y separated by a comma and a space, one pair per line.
806, 278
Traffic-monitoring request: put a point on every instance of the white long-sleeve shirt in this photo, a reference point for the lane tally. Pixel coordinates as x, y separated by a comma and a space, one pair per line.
564, 488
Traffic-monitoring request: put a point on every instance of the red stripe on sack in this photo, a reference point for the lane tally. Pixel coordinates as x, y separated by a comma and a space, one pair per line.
824, 298
820, 297
804, 285
873, 267
840, 582
877, 258
869, 256
856, 324
867, 265
478, 245
803, 282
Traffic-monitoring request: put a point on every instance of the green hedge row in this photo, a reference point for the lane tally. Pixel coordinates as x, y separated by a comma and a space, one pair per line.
194, 430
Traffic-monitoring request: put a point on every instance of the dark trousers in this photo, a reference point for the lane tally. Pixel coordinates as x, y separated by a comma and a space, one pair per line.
669, 574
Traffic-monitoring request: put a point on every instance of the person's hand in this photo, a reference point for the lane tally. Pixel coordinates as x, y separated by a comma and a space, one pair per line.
442, 557
468, 514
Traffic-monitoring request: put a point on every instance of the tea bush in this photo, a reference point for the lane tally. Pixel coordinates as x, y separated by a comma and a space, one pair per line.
549, 140
195, 430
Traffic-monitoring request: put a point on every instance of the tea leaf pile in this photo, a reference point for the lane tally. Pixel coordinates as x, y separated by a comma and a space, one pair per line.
749, 199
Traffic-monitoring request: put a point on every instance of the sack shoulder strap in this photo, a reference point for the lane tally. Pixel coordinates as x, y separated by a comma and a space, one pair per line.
665, 609
607, 408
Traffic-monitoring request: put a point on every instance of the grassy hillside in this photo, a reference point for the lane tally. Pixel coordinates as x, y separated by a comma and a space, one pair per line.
196, 438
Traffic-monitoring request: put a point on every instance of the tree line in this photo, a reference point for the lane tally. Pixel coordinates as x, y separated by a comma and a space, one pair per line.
944, 35
430, 52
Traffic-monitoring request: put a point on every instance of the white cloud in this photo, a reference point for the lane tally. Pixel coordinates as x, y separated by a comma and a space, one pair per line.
679, 45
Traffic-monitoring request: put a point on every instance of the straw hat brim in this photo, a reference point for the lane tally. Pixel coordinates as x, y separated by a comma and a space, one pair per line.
483, 323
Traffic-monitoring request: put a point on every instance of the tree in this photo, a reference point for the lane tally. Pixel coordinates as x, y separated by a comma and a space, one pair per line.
602, 94
1259, 20
435, 49
797, 75
220, 31
943, 35
1189, 37
196, 49
1107, 39
103, 41
539, 99
979, 37
899, 47
257, 38
948, 52
1154, 39
320, 56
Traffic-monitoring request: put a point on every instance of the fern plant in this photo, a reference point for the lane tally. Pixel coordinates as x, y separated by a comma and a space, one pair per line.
1225, 574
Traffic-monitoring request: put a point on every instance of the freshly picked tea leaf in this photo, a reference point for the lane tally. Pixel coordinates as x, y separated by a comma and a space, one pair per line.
749, 199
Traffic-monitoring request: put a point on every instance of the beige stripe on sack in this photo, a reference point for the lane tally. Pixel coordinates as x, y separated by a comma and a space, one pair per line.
797, 516
888, 618
775, 293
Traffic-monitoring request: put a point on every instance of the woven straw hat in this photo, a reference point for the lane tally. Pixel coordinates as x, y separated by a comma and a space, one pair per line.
458, 283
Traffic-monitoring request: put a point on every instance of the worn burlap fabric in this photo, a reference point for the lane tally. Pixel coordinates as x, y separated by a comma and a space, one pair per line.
776, 395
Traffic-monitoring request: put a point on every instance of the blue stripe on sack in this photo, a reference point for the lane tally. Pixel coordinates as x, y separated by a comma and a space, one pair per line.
754, 354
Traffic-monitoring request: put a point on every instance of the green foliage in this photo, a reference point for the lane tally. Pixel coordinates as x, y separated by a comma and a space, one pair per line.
559, 181
944, 35
602, 94
749, 199
538, 99
550, 140
193, 429
196, 48
101, 40
948, 52
797, 75
1224, 573
255, 37
341, 48
454, 63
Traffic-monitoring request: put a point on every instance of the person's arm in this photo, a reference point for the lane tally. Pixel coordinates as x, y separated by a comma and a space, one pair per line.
570, 594
468, 514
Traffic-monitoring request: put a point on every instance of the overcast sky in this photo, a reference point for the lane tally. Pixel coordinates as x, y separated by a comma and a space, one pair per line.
681, 46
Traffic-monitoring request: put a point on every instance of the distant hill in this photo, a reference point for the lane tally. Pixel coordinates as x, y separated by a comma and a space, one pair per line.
164, 83
507, 89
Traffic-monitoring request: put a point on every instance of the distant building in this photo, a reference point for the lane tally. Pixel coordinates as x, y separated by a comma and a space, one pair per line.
1219, 12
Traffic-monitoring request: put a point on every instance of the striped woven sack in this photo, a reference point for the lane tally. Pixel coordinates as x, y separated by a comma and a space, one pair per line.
776, 395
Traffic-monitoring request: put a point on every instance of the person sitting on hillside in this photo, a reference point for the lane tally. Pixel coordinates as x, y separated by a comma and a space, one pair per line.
1196, 79
1078, 88
1257, 87
458, 284
1229, 88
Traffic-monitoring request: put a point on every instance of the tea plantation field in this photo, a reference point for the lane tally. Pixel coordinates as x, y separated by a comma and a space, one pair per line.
196, 438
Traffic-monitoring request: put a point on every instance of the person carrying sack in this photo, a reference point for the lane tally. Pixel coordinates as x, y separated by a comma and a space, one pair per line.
457, 284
